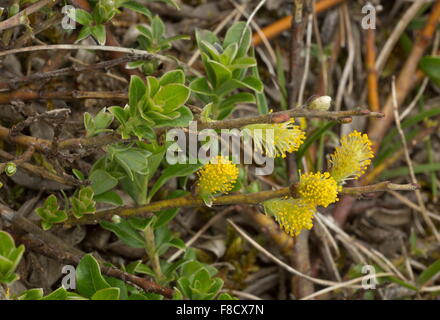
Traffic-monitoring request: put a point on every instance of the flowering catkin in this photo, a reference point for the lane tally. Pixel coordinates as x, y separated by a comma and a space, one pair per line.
351, 158
217, 176
293, 215
319, 189
349, 161
276, 140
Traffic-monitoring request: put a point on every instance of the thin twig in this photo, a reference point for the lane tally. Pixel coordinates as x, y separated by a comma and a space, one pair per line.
253, 198
143, 55
407, 76
425, 215
274, 29
202, 230
350, 60
26, 95
20, 17
67, 71
23, 158
307, 60
288, 268
295, 49
37, 170
395, 35
50, 245
348, 284
412, 205
283, 116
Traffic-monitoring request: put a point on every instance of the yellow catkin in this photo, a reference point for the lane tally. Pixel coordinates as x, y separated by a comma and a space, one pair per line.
293, 215
217, 176
351, 158
276, 140
318, 189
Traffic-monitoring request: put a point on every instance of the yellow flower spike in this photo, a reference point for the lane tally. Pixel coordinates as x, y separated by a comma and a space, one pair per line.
318, 189
351, 158
293, 215
217, 176
277, 139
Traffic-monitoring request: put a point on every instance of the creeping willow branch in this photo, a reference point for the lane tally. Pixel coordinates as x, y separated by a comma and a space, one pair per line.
276, 117
253, 198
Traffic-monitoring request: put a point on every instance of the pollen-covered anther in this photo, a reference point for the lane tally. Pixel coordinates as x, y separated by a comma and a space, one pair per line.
352, 158
319, 189
293, 215
276, 139
217, 176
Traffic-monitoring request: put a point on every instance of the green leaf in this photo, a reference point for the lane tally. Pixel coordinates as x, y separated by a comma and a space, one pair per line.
403, 283
118, 283
183, 119
6, 244
241, 34
225, 296
50, 212
145, 31
109, 197
429, 273
205, 35
125, 232
242, 97
172, 96
229, 54
88, 277
32, 294
169, 268
228, 87
107, 294
174, 76
169, 40
58, 294
173, 171
74, 296
142, 268
210, 50
135, 91
177, 243
157, 27
80, 16
252, 83
243, 63
119, 114
133, 160
156, 157
82, 202
98, 32
78, 174
404, 171
201, 85
83, 33
222, 73
134, 6
312, 138
164, 216
102, 181
430, 65
261, 97
136, 188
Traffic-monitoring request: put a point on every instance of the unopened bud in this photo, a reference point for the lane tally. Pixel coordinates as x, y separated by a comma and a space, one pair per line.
10, 169
322, 103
